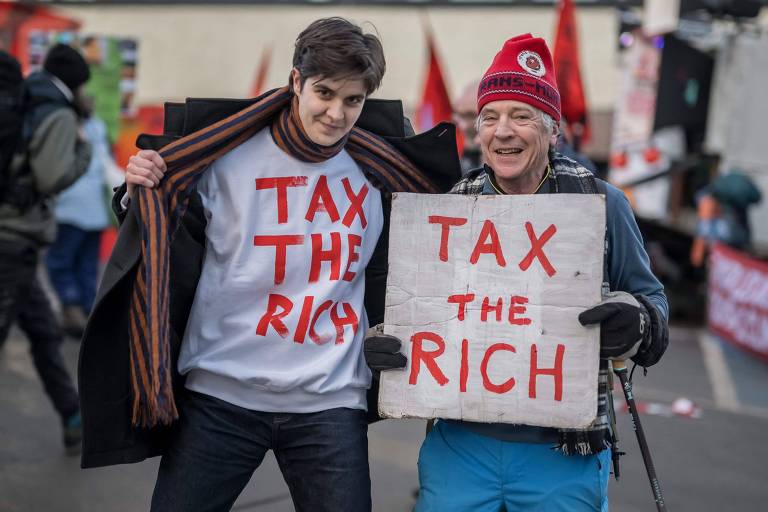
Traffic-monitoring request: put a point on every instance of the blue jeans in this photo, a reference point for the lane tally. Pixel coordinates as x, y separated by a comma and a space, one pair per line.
217, 446
460, 470
73, 265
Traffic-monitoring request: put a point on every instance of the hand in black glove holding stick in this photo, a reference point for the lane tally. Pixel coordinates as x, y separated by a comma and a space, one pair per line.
382, 352
625, 325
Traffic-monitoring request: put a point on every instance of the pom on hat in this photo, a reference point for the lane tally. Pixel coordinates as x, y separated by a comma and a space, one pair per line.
522, 71
66, 64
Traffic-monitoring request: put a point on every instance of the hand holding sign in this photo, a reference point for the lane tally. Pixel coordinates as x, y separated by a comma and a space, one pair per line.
382, 352
624, 325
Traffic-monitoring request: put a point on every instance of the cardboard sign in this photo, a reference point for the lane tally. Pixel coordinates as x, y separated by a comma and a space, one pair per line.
738, 299
485, 292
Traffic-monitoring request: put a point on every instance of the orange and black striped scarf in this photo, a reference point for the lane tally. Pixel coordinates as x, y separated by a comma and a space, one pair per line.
162, 208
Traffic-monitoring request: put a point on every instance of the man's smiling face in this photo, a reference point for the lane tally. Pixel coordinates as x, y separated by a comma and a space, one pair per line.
515, 143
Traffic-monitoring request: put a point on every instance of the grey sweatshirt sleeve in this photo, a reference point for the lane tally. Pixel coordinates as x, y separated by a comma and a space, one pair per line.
57, 156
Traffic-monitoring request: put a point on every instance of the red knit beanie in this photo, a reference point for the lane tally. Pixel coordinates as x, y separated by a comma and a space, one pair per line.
522, 71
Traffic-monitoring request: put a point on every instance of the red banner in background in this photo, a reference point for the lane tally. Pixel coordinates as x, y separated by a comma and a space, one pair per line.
148, 119
738, 299
435, 103
568, 72
261, 72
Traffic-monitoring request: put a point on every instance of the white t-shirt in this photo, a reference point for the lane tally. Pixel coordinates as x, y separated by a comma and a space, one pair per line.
277, 323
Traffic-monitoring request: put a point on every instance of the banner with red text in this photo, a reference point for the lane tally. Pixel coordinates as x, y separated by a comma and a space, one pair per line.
738, 299
485, 292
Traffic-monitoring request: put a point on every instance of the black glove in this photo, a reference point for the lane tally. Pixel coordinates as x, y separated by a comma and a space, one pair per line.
625, 325
650, 354
382, 352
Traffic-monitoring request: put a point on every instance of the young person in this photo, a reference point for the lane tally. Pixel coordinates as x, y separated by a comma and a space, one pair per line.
250, 262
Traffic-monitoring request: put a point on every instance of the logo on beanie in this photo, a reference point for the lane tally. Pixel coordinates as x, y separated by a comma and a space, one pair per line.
531, 62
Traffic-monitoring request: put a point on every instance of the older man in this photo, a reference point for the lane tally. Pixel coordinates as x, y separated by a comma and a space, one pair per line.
491, 467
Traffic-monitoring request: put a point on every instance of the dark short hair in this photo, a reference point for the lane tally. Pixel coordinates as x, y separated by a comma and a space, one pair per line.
335, 48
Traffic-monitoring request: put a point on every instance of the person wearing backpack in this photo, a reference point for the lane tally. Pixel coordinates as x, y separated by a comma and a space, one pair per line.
48, 155
82, 213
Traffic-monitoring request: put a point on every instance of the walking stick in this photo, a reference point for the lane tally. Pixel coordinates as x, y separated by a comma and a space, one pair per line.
615, 452
620, 369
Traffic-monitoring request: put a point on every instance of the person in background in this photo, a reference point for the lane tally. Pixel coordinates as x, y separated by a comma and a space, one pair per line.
723, 214
566, 149
464, 115
53, 154
82, 213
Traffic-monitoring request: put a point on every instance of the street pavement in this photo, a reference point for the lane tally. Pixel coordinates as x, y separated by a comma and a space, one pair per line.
715, 462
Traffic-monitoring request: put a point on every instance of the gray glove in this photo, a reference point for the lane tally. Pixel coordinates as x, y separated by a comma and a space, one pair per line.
625, 325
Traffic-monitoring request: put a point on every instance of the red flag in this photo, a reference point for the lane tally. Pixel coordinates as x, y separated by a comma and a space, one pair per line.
568, 73
435, 102
261, 72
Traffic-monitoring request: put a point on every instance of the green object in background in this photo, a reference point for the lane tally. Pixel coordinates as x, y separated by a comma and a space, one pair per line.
735, 189
104, 85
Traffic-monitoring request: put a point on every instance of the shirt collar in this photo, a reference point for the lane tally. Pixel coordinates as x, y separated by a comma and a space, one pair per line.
489, 189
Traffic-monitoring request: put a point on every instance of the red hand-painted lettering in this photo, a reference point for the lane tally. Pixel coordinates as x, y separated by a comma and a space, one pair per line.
487, 308
353, 242
280, 243
464, 368
339, 323
556, 372
272, 317
461, 300
355, 204
487, 384
490, 247
281, 184
518, 310
322, 201
333, 255
537, 249
301, 327
445, 223
419, 355
319, 339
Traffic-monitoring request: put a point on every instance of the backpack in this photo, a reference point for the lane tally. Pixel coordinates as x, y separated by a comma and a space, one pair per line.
24, 104
11, 116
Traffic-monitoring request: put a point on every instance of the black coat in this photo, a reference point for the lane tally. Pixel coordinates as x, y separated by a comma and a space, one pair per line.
104, 367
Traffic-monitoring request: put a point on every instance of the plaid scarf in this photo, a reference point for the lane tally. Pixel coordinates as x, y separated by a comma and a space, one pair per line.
567, 176
161, 209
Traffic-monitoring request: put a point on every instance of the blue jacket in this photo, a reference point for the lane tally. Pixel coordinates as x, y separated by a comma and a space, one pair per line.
84, 204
